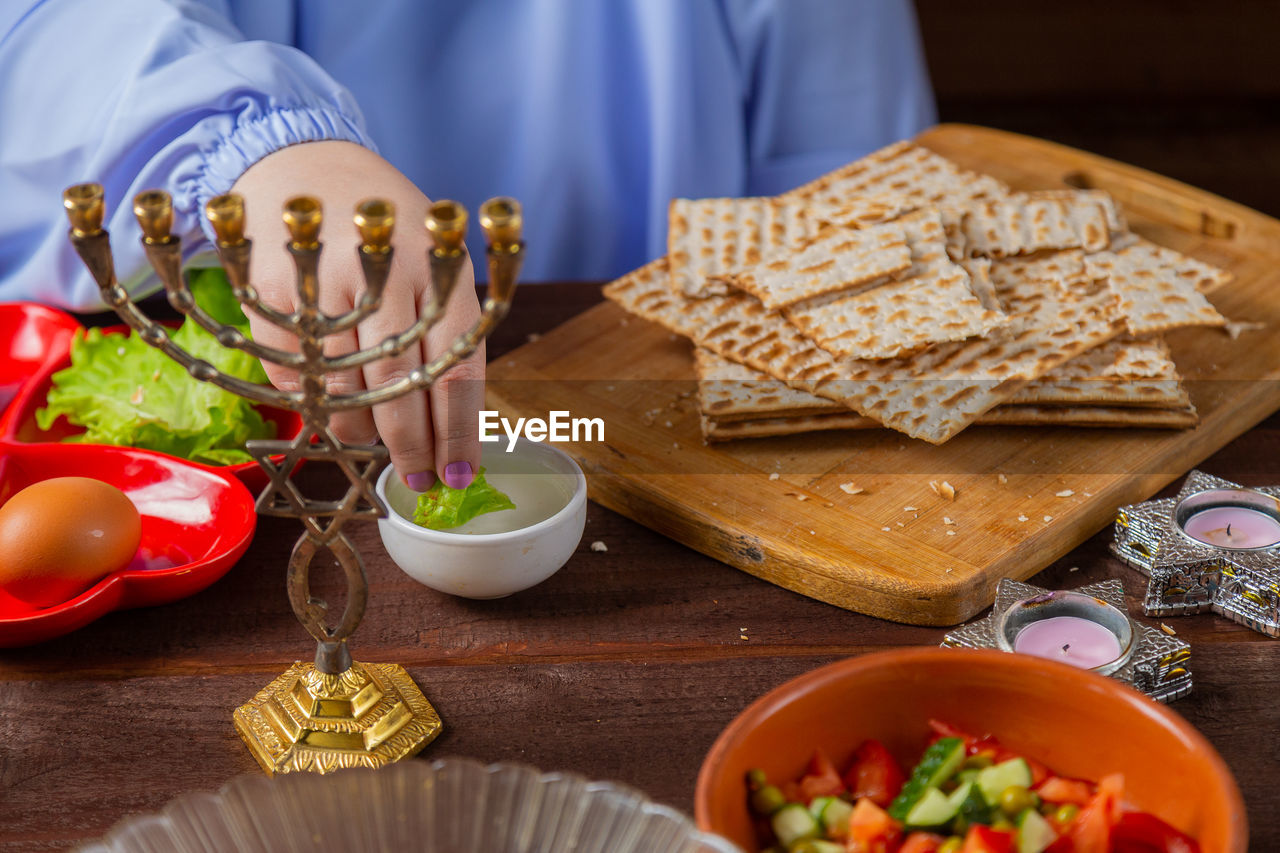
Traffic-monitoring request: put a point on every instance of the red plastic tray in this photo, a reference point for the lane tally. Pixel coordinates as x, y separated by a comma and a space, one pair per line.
196, 519
31, 335
196, 522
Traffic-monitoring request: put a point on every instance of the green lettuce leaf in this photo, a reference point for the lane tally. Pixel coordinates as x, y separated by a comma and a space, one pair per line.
441, 507
124, 392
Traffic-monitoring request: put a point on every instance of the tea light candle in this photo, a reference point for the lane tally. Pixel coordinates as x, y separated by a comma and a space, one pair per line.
1070, 639
1233, 527
1077, 629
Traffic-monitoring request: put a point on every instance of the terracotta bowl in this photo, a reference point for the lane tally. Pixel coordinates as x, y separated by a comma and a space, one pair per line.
1079, 724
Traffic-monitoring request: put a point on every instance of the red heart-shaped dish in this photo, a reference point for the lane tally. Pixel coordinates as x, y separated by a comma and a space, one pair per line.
30, 336
196, 522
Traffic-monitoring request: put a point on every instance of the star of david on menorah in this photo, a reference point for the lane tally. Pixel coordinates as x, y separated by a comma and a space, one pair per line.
334, 713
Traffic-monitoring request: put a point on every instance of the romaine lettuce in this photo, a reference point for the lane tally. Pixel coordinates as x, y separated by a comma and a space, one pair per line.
124, 392
441, 507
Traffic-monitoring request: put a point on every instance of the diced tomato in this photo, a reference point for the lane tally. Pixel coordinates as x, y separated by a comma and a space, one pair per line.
871, 830
943, 729
822, 780
1056, 789
1138, 832
921, 842
1039, 772
984, 839
874, 774
1090, 831
1111, 790
1061, 845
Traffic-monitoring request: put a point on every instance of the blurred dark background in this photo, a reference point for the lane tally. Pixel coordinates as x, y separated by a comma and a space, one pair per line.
1190, 90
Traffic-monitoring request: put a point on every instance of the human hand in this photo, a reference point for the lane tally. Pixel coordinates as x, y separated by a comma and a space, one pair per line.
427, 433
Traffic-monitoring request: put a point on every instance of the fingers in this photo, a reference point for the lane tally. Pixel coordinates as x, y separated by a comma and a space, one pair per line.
270, 272
403, 423
353, 426
458, 395
273, 336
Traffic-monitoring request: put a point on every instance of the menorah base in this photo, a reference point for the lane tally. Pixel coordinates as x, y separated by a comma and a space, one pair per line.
368, 716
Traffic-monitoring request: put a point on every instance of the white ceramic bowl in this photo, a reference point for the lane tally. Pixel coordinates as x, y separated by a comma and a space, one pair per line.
499, 553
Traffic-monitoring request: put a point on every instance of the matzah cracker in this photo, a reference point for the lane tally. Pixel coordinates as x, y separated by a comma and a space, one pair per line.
1206, 277
1092, 416
716, 430
904, 170
1156, 287
1139, 393
709, 236
1031, 288
733, 391
837, 259
728, 391
931, 396
934, 302
861, 212
1025, 225
1125, 372
1115, 220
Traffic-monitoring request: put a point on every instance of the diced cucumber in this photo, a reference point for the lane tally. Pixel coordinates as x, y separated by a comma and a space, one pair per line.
937, 765
970, 804
1034, 832
817, 805
793, 822
993, 780
933, 809
816, 845
835, 818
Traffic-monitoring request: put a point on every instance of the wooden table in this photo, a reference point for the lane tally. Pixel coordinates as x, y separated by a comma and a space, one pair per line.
624, 666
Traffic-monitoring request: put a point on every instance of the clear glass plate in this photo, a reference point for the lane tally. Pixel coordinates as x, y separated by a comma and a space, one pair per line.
451, 805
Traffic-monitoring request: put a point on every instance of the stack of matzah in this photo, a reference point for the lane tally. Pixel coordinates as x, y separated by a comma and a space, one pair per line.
902, 291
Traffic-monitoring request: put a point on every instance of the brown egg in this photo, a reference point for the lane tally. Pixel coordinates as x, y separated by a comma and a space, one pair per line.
59, 536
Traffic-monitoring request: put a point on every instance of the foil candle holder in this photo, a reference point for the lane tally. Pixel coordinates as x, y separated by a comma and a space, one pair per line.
1106, 623
1149, 660
333, 713
1239, 579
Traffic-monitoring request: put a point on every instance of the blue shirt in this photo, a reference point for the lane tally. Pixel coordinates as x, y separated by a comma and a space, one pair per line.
594, 113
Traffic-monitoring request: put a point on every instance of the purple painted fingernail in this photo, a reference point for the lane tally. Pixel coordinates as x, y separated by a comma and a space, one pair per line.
421, 481
457, 475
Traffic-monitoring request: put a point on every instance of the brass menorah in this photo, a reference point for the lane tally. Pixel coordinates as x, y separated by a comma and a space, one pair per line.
335, 712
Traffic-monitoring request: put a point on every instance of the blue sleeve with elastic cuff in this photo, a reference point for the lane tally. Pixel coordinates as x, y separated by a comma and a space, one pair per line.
138, 94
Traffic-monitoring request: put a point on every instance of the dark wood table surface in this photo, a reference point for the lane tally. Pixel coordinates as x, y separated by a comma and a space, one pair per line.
625, 665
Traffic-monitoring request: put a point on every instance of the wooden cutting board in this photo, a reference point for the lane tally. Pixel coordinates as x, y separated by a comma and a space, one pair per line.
890, 551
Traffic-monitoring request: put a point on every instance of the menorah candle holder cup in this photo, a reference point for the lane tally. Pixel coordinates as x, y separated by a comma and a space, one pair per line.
335, 712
